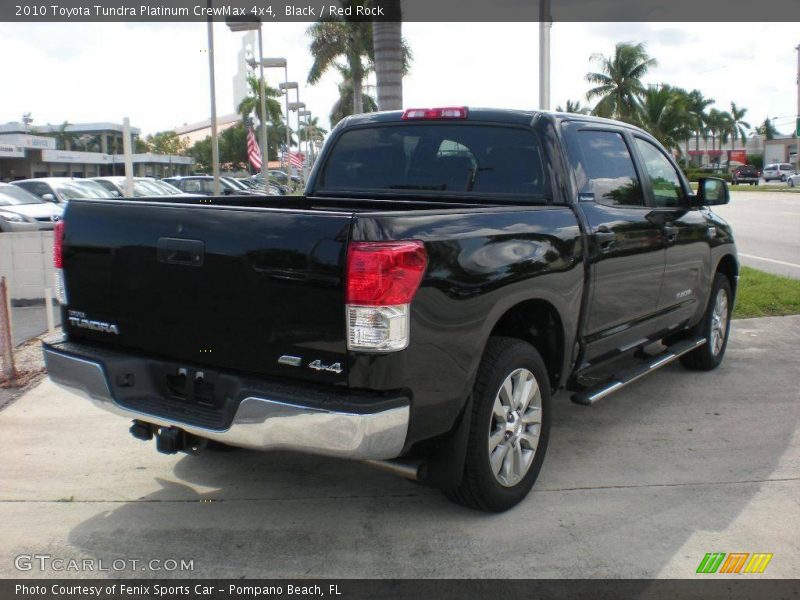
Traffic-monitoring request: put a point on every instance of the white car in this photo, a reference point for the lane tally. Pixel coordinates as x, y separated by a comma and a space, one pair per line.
22, 211
64, 189
793, 180
143, 187
781, 171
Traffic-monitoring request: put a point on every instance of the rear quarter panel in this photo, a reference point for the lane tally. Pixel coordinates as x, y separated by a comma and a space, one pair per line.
481, 263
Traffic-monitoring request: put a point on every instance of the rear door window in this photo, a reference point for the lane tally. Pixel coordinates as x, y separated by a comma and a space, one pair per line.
605, 170
444, 159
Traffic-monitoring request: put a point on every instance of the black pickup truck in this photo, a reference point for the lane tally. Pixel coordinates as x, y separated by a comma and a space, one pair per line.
447, 271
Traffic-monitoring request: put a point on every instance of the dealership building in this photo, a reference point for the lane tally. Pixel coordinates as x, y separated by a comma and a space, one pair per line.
86, 150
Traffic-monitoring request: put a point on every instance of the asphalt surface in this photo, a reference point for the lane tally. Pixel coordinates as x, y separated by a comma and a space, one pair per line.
766, 226
642, 484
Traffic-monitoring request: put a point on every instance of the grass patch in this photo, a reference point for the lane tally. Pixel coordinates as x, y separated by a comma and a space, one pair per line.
766, 295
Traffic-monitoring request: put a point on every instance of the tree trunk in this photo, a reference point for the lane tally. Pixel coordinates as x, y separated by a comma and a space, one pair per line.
387, 39
357, 72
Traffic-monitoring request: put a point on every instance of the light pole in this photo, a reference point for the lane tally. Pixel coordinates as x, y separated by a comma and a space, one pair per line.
797, 121
255, 25
298, 106
286, 86
545, 24
217, 186
277, 63
307, 115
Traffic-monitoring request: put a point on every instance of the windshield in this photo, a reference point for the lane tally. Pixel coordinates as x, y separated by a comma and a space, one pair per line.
81, 189
165, 187
236, 185
145, 187
11, 195
460, 159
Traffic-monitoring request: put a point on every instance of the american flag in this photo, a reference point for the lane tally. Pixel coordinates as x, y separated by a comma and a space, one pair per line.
297, 159
253, 151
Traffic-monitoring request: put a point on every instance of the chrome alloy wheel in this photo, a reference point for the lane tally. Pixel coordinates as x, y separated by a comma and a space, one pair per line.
719, 322
514, 427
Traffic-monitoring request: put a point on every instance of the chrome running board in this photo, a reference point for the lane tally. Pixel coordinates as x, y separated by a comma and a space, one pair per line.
627, 376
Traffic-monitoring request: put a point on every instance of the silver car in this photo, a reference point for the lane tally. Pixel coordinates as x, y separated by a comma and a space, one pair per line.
64, 189
22, 211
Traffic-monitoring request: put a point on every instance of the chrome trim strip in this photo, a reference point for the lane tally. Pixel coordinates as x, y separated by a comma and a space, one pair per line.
259, 423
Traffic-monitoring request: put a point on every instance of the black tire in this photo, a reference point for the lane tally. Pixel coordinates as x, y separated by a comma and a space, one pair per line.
479, 488
783, 178
706, 358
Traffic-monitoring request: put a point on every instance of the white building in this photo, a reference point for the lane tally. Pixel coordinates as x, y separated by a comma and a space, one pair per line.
89, 150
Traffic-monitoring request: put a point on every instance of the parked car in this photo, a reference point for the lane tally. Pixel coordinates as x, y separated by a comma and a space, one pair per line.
780, 171
793, 180
22, 211
446, 273
64, 189
745, 174
204, 185
142, 186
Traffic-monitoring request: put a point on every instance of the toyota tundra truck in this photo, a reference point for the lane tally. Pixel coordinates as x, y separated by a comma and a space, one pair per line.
447, 271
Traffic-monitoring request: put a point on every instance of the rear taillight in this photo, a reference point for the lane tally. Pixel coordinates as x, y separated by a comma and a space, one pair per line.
448, 112
382, 279
58, 261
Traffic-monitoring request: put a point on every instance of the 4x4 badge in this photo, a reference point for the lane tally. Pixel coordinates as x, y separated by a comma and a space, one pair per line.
318, 365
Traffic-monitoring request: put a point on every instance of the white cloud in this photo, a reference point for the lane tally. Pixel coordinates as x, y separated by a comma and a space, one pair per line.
157, 74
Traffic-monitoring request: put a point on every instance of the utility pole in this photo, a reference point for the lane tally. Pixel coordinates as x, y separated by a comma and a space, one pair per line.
797, 120
544, 54
217, 186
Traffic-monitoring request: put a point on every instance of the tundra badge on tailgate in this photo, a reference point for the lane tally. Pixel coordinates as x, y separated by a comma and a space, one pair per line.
79, 319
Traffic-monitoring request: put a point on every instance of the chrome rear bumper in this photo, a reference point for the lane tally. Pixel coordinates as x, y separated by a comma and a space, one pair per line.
259, 422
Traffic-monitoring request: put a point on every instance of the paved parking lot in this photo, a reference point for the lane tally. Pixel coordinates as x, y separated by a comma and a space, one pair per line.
641, 485
766, 226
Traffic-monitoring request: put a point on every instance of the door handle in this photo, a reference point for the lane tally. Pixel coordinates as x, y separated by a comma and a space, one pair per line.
178, 251
671, 231
604, 238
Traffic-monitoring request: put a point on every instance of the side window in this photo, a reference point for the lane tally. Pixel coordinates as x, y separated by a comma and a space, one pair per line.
191, 186
208, 186
605, 169
667, 189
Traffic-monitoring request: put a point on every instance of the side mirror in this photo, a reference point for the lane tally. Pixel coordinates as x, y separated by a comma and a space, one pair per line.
712, 191
49, 198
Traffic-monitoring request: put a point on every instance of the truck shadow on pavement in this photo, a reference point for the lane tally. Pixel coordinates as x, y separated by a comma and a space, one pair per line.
641, 484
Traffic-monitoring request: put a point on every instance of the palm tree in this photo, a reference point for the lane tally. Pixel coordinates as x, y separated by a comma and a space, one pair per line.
392, 55
333, 39
767, 129
574, 107
663, 114
344, 107
738, 124
696, 106
312, 130
618, 84
252, 103
64, 139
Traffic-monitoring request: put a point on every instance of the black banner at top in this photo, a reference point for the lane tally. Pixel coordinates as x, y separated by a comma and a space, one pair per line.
277, 11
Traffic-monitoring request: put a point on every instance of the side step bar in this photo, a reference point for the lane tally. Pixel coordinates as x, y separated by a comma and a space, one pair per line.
627, 376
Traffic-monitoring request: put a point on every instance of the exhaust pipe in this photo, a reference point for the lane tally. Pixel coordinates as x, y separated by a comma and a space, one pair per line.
414, 470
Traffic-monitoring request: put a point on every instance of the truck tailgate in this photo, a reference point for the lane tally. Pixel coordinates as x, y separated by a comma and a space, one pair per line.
234, 287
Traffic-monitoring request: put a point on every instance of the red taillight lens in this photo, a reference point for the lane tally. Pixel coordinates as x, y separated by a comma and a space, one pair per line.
448, 112
58, 245
384, 273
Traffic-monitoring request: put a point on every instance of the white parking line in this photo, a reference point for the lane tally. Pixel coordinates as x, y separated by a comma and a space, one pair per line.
772, 260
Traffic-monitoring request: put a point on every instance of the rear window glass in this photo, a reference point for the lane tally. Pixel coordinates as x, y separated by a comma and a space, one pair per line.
437, 158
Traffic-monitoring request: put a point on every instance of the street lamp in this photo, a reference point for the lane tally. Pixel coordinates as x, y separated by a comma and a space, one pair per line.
278, 63
307, 115
286, 86
254, 24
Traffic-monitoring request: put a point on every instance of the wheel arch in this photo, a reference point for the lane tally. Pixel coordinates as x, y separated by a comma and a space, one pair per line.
539, 323
729, 266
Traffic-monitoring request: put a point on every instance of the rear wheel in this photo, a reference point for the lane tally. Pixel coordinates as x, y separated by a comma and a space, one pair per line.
509, 428
715, 327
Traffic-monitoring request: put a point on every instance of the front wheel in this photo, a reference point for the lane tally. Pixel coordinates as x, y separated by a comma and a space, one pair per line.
715, 327
509, 428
